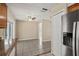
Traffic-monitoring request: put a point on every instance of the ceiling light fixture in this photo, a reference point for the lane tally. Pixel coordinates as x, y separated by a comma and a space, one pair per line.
31, 18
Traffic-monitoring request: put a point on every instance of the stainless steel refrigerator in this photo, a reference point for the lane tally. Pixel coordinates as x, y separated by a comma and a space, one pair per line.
70, 41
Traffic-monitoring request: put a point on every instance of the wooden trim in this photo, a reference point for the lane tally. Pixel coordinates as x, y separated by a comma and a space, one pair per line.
73, 7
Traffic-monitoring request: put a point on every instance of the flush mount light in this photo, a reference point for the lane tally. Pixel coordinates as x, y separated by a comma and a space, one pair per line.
30, 18
2, 17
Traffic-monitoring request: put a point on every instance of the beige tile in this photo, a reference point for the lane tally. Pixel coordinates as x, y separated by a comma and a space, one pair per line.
31, 47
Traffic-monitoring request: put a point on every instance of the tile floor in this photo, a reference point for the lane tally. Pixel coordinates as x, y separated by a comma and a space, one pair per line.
47, 54
31, 48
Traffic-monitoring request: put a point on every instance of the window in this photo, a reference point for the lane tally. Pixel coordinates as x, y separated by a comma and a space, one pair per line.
8, 35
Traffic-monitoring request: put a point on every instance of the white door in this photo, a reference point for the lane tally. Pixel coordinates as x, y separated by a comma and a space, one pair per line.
57, 34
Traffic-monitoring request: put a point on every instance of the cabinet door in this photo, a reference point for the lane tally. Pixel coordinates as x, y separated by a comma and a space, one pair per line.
3, 11
73, 7
3, 16
3, 23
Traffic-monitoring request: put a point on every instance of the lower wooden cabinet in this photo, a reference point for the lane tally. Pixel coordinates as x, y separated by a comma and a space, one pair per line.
3, 23
2, 50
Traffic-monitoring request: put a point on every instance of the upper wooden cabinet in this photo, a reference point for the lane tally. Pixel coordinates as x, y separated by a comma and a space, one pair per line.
3, 15
73, 7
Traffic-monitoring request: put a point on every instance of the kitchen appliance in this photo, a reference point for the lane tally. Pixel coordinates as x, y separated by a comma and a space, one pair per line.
70, 26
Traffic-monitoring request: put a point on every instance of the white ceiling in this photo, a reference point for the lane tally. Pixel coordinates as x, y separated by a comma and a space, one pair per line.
22, 10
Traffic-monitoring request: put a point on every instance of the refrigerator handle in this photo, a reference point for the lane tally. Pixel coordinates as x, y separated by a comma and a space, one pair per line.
77, 39
74, 39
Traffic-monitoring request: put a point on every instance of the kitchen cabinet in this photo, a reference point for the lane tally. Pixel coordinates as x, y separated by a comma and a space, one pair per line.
3, 15
2, 51
73, 7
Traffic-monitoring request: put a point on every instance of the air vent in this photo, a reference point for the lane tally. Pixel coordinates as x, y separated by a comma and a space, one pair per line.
44, 9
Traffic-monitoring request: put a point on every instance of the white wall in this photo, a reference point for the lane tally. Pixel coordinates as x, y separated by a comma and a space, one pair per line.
46, 30
27, 30
56, 35
56, 43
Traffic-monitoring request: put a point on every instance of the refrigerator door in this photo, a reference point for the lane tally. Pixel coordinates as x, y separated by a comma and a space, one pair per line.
77, 39
74, 38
